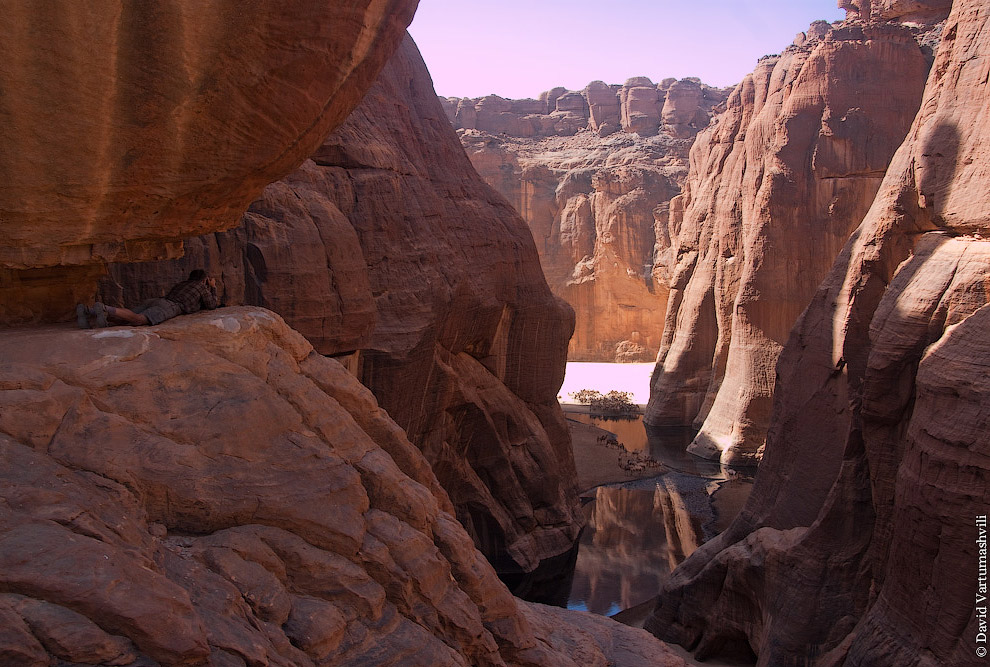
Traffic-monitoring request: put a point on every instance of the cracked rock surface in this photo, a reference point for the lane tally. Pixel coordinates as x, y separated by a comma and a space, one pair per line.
212, 491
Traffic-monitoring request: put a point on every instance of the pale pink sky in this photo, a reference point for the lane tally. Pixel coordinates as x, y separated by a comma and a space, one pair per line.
519, 48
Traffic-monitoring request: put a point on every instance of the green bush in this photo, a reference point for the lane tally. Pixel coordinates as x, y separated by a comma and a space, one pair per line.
613, 404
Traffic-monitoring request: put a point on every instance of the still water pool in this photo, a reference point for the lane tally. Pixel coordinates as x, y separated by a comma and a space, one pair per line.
638, 532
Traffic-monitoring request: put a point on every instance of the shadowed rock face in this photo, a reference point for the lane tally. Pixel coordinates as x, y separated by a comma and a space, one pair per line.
596, 202
777, 184
862, 521
179, 114
213, 491
388, 243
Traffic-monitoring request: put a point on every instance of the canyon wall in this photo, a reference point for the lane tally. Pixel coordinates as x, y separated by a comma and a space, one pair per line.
777, 183
863, 519
388, 247
592, 172
212, 491
179, 115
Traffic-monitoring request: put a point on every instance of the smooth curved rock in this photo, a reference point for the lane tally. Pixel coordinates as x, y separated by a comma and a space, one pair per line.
213, 491
388, 244
155, 124
778, 182
877, 464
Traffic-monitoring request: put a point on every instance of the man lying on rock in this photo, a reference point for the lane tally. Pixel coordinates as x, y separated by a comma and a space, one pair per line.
199, 291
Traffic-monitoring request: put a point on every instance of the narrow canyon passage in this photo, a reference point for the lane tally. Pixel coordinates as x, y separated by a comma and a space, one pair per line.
376, 449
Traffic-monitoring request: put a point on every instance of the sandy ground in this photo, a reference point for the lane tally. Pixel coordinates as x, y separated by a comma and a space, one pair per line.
596, 463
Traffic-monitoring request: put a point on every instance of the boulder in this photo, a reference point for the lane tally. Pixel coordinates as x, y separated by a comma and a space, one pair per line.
640, 106
213, 491
603, 105
549, 98
179, 115
572, 101
682, 113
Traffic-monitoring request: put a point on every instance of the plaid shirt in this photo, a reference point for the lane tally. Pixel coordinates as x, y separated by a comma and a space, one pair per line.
191, 295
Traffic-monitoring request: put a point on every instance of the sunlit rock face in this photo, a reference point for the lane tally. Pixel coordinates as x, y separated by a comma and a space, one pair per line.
388, 243
862, 521
595, 197
214, 491
777, 184
900, 10
129, 127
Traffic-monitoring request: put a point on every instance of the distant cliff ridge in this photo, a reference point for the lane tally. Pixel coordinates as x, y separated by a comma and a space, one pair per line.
593, 172
679, 108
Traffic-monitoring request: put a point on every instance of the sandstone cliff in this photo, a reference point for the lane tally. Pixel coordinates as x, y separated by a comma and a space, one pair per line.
639, 106
178, 114
595, 197
777, 183
862, 521
212, 491
386, 243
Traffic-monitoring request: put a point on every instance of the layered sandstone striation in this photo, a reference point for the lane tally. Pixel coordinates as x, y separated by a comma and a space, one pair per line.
863, 519
214, 491
592, 173
777, 183
387, 246
179, 115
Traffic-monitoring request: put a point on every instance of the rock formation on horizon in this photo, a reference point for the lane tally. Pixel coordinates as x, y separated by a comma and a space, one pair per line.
862, 522
592, 172
178, 113
388, 247
778, 182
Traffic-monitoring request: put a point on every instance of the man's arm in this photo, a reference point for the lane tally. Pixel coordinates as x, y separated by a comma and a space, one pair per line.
209, 295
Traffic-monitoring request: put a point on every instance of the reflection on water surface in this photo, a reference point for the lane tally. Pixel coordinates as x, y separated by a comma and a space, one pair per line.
639, 531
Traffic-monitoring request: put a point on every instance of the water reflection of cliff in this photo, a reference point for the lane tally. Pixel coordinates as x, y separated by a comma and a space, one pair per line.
623, 531
634, 538
638, 532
